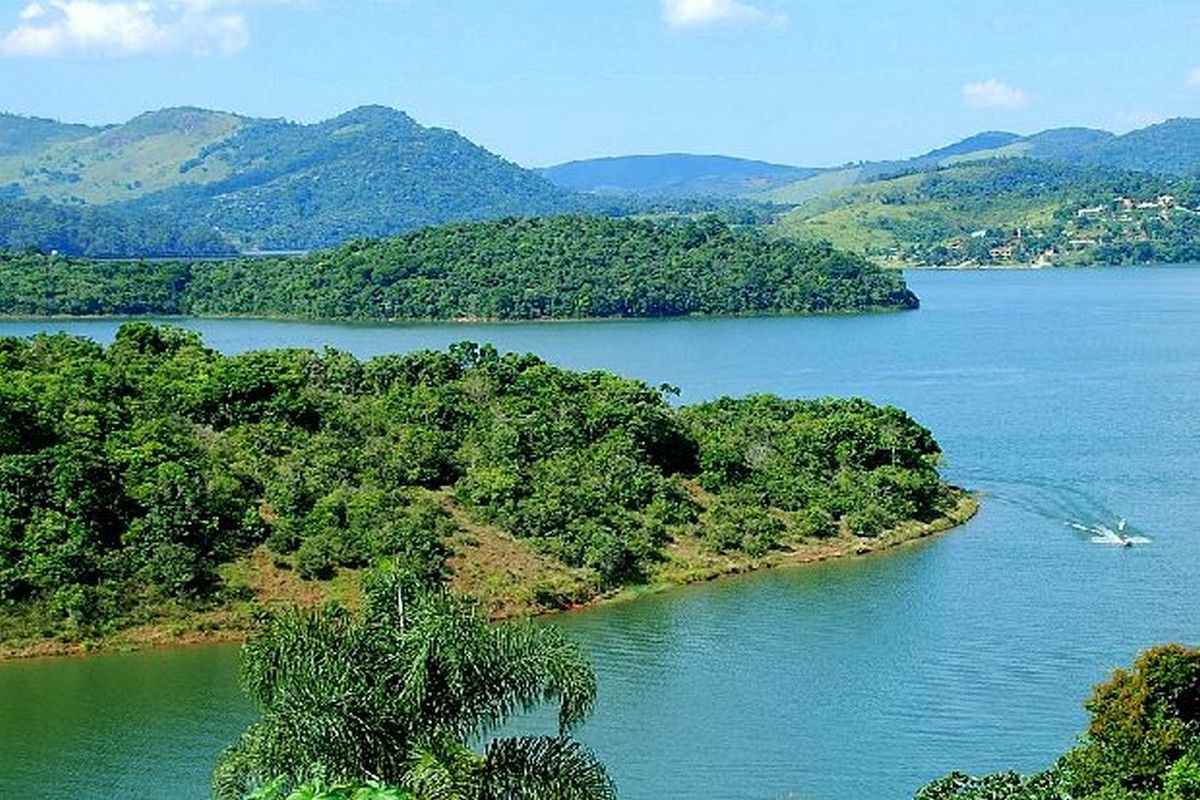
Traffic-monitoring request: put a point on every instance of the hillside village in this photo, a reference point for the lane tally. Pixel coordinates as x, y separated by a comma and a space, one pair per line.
1073, 237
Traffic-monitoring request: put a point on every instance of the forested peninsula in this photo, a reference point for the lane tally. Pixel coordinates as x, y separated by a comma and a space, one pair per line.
542, 268
160, 486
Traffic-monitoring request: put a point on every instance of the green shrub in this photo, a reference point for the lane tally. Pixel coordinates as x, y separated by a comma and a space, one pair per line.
1183, 779
739, 525
316, 559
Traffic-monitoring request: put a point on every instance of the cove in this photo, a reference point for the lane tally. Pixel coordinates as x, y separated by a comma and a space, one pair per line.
1066, 397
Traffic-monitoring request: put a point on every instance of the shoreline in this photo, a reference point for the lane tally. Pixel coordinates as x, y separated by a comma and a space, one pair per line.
837, 548
466, 322
679, 571
1036, 267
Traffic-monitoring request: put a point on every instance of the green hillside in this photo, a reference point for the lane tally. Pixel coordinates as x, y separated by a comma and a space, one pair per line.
832, 180
1014, 210
370, 172
1171, 148
272, 184
123, 162
1168, 148
809, 188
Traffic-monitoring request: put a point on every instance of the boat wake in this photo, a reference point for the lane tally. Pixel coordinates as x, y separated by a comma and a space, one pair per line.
1066, 505
1121, 536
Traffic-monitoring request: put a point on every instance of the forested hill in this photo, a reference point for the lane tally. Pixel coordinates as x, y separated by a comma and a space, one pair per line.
542, 268
100, 232
1170, 149
273, 184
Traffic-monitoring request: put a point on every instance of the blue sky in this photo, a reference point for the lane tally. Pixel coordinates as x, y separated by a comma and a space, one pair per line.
541, 81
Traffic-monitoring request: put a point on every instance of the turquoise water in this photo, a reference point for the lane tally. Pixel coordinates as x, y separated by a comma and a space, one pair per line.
1067, 397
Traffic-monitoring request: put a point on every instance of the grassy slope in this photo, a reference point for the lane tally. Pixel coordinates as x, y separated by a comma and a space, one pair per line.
1150, 148
863, 219
125, 162
974, 148
810, 188
1014, 150
504, 574
830, 183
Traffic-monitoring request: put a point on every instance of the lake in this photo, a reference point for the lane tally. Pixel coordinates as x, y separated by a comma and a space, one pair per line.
1069, 398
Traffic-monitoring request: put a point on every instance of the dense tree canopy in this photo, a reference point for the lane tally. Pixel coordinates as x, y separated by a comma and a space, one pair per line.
513, 269
826, 460
42, 226
128, 474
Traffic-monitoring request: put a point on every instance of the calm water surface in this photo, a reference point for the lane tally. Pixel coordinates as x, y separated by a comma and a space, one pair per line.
1067, 397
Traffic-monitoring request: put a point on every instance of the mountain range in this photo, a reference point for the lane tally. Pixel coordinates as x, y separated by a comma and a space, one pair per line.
1168, 148
1061, 196
190, 181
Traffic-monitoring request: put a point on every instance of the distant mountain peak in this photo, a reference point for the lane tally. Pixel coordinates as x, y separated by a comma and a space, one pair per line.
180, 120
679, 174
987, 140
177, 118
374, 115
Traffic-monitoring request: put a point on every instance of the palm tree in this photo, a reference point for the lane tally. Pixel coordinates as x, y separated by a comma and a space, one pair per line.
398, 695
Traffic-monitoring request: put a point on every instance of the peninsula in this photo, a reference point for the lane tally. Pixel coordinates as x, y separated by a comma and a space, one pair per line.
156, 490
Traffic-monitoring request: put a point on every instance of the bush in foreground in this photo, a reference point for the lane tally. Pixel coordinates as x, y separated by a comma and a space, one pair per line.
1142, 742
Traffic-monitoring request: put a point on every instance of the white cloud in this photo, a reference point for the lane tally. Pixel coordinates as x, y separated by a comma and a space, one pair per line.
31, 12
687, 14
1193, 78
125, 27
994, 94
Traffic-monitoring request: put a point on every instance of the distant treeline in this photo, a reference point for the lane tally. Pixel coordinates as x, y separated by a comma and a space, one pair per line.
98, 232
556, 267
128, 474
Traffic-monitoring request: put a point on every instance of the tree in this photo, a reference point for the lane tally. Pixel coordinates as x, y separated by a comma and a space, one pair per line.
399, 694
1143, 722
1142, 742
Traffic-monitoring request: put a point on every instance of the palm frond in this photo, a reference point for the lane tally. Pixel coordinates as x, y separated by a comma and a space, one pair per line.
544, 768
